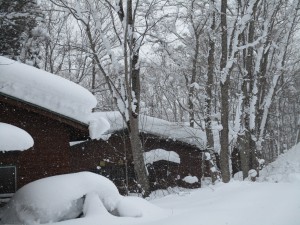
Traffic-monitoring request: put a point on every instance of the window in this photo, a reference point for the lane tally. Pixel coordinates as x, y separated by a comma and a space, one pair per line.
7, 179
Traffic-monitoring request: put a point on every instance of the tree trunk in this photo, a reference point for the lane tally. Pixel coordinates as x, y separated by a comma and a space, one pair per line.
209, 96
247, 148
191, 95
133, 92
224, 153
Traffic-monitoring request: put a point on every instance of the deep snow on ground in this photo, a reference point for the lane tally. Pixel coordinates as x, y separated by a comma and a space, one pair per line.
286, 168
269, 201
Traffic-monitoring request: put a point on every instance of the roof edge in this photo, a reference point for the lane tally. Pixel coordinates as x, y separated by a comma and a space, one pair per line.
43, 111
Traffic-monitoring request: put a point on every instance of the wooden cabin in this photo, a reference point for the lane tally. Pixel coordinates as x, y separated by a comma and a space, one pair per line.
53, 155
112, 158
55, 112
52, 110
51, 152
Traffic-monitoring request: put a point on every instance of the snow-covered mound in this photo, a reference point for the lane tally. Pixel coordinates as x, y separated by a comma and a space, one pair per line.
286, 168
65, 197
58, 198
159, 127
14, 138
45, 89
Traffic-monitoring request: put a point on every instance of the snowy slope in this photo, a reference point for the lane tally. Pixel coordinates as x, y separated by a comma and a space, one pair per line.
286, 168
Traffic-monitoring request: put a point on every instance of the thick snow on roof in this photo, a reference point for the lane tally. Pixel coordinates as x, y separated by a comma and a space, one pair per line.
13, 138
159, 127
161, 154
45, 90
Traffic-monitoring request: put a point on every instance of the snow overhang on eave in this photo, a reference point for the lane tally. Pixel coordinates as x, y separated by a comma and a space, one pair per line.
13, 138
78, 125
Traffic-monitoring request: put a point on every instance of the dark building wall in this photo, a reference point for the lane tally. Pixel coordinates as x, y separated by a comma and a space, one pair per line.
50, 154
109, 156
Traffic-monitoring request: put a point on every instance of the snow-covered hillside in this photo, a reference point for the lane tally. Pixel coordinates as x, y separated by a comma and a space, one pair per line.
273, 200
286, 168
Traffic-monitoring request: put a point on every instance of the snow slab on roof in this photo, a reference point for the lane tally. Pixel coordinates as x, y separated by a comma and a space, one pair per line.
51, 92
161, 154
45, 90
159, 127
13, 138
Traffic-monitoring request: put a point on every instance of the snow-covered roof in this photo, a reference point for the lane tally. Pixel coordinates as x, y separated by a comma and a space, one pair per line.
46, 90
158, 127
66, 98
14, 138
50, 92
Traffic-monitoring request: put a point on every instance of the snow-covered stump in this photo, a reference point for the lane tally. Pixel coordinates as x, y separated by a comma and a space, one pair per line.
252, 174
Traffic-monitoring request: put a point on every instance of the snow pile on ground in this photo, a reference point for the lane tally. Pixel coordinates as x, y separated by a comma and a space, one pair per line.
286, 168
65, 197
58, 198
159, 127
161, 154
14, 138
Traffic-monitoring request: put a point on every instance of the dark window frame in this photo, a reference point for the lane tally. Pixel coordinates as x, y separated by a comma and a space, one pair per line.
2, 194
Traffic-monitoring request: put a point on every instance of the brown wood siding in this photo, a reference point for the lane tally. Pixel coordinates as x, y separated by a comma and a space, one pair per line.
89, 155
50, 154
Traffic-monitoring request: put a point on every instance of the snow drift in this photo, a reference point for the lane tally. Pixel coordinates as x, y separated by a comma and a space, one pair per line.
286, 168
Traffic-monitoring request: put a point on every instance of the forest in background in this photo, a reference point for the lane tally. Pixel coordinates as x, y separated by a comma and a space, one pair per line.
229, 68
